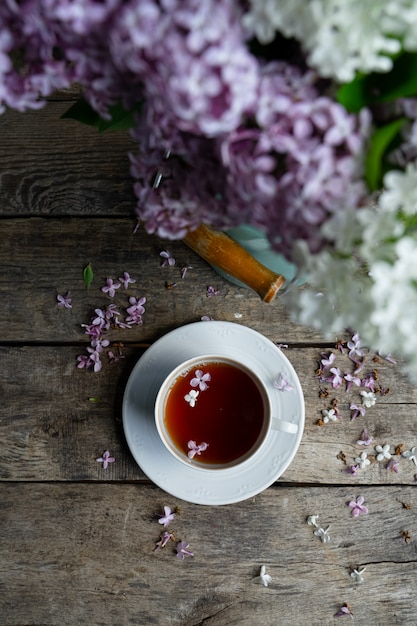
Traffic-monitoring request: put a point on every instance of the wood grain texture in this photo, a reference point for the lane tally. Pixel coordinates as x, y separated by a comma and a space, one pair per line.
43, 257
52, 431
83, 554
54, 166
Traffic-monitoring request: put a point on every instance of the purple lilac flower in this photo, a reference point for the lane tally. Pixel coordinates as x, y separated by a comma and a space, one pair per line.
126, 280
345, 610
282, 384
167, 517
165, 537
110, 287
195, 448
327, 359
351, 379
365, 439
211, 291
200, 380
106, 459
183, 550
65, 301
393, 465
355, 350
135, 310
356, 411
168, 258
358, 506
336, 380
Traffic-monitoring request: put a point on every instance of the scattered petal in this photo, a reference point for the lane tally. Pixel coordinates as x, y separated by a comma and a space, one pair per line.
383, 452
411, 455
345, 610
282, 384
65, 301
196, 449
362, 460
185, 269
167, 517
165, 537
365, 439
323, 534
183, 550
126, 280
191, 397
312, 520
110, 287
211, 291
358, 506
329, 415
106, 459
393, 465
200, 380
357, 575
263, 577
368, 398
168, 258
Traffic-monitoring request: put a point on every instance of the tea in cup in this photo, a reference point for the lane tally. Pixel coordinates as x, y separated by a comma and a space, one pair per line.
215, 413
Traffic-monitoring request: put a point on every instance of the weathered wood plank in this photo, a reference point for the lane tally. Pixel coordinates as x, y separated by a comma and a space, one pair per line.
43, 257
50, 166
49, 430
83, 554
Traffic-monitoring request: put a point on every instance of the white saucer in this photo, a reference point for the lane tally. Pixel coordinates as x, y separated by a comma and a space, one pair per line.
194, 484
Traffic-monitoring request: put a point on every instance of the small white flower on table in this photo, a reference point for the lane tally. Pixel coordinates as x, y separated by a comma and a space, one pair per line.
362, 460
323, 534
383, 452
357, 575
411, 455
263, 577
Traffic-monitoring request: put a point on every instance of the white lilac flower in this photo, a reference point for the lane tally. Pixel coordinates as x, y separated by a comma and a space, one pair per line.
329, 415
341, 36
263, 578
411, 455
323, 534
191, 397
362, 460
357, 575
368, 398
383, 452
312, 520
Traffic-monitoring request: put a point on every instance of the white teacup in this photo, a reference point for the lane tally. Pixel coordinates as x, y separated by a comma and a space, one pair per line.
215, 413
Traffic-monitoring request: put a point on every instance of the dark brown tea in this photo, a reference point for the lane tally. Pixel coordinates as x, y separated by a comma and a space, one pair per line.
214, 413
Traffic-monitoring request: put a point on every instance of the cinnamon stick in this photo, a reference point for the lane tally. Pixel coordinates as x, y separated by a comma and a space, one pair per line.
222, 251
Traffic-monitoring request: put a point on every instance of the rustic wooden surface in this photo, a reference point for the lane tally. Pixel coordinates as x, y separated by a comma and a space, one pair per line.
76, 541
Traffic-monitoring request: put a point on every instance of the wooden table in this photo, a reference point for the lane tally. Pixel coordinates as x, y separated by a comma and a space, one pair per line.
77, 541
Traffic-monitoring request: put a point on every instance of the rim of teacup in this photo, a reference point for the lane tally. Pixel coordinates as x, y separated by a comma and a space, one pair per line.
184, 368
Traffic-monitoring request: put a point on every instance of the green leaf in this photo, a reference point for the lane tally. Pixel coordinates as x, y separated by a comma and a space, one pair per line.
82, 112
380, 142
88, 275
353, 95
366, 90
121, 119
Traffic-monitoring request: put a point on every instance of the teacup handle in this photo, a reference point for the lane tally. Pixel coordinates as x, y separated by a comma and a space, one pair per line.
284, 426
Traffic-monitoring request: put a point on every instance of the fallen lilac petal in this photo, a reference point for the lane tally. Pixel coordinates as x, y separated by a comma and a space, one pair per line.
126, 280
169, 260
106, 459
183, 550
167, 517
358, 506
65, 301
110, 287
282, 384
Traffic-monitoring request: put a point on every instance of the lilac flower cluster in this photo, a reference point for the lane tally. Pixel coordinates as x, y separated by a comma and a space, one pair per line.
106, 318
288, 166
224, 137
367, 384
